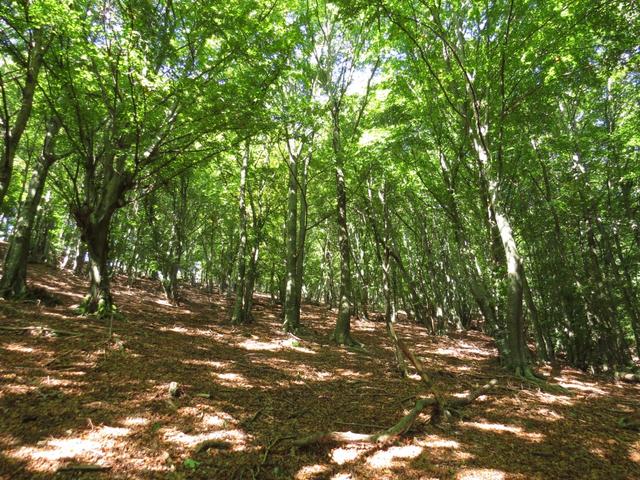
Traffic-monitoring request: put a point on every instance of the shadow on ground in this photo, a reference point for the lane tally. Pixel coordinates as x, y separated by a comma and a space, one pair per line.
70, 396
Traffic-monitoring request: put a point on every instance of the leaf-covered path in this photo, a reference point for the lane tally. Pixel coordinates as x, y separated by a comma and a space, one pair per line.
70, 400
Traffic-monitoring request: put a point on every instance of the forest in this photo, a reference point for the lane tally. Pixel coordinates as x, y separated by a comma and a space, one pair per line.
313, 239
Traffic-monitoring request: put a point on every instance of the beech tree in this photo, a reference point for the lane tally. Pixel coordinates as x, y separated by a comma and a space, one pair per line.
456, 164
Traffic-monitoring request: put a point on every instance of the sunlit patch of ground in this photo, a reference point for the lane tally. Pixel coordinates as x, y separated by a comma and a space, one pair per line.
389, 457
500, 428
480, 474
173, 435
93, 446
89, 399
634, 452
310, 472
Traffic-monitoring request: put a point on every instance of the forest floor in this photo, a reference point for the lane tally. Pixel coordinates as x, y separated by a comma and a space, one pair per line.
69, 400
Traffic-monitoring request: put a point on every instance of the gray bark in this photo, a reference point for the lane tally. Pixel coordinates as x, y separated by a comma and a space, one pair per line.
13, 282
291, 312
239, 305
342, 331
13, 134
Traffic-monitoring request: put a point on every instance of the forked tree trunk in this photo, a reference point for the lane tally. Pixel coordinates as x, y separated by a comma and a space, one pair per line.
14, 277
94, 223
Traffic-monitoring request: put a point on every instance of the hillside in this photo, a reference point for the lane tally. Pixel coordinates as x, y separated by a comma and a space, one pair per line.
70, 396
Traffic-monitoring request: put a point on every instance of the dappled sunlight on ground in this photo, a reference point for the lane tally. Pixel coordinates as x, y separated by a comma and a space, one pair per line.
387, 458
434, 441
309, 472
92, 446
234, 380
585, 387
500, 428
634, 452
344, 455
480, 474
173, 435
82, 398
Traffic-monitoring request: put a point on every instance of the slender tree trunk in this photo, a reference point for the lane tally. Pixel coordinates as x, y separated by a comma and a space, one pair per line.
12, 135
291, 315
251, 280
342, 331
515, 349
14, 277
79, 259
238, 308
302, 237
327, 269
545, 344
384, 257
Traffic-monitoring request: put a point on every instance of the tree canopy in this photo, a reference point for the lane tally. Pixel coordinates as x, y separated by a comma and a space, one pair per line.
471, 165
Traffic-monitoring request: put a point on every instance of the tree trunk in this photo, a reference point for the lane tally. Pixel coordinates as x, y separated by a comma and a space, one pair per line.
250, 281
544, 343
342, 332
302, 237
12, 135
99, 300
13, 283
517, 353
239, 308
291, 314
384, 257
79, 260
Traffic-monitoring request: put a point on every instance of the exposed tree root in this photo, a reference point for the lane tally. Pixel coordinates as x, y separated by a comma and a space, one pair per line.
42, 331
399, 428
346, 340
440, 409
528, 376
627, 377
